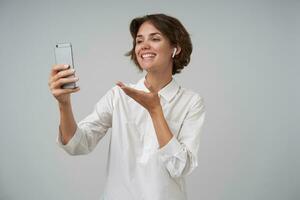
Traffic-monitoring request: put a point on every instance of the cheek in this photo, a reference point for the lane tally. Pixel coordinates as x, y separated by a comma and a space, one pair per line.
136, 50
162, 48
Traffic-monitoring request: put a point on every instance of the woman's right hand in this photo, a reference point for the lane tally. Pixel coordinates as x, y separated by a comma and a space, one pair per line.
60, 75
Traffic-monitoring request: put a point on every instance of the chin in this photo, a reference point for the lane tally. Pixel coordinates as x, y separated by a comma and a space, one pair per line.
146, 67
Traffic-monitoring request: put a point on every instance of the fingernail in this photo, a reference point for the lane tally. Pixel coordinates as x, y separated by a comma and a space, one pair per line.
66, 66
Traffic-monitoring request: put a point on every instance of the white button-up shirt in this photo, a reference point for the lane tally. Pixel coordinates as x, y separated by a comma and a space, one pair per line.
137, 168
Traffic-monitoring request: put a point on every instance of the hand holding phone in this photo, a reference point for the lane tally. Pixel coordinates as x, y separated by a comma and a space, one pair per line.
62, 77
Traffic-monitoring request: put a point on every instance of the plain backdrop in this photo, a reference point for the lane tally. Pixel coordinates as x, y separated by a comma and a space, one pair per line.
244, 64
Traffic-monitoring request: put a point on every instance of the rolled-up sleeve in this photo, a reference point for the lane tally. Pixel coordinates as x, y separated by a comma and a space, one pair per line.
91, 129
179, 155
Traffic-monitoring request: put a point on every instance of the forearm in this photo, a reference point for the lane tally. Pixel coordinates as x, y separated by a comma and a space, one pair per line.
162, 130
68, 124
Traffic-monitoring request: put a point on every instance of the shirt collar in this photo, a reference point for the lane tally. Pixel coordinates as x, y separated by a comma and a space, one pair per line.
168, 92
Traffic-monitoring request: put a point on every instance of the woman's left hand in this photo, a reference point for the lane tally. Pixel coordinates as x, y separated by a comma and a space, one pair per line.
149, 100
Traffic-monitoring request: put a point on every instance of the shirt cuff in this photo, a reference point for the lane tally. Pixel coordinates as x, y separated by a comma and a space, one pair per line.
72, 142
172, 148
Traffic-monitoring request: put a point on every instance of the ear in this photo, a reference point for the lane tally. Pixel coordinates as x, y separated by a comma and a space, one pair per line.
178, 50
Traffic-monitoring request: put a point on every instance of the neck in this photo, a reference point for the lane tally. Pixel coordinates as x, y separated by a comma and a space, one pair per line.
158, 80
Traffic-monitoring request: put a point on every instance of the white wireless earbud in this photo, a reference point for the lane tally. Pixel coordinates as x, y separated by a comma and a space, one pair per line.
174, 52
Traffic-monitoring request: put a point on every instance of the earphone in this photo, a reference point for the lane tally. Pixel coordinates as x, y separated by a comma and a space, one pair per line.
174, 52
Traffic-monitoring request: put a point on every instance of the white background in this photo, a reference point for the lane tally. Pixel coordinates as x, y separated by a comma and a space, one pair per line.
243, 64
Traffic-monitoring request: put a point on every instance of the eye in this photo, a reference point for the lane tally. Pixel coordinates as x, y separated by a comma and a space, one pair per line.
156, 39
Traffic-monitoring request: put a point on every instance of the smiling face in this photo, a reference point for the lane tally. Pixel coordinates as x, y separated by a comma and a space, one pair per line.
153, 50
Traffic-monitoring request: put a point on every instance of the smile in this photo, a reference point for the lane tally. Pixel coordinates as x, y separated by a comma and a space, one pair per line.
148, 55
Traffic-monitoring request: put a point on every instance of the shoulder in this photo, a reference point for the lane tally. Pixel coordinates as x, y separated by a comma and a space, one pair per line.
195, 102
192, 96
110, 96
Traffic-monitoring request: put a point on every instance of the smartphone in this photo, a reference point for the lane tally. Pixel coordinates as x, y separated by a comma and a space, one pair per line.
64, 55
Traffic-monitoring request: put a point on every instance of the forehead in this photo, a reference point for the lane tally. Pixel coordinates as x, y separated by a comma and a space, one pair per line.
147, 28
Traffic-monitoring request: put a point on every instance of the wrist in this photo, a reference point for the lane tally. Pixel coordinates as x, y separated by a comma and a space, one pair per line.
156, 111
64, 105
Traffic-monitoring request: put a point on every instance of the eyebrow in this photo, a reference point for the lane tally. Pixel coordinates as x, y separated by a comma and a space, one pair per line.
151, 34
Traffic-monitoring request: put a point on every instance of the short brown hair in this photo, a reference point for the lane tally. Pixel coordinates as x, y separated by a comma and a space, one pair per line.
171, 28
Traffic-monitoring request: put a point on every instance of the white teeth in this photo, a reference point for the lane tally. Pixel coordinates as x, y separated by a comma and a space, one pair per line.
148, 55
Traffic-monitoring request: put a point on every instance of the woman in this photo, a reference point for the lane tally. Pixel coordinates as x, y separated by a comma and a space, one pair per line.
156, 123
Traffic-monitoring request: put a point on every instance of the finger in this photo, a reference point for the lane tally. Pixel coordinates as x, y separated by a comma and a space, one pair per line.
135, 94
62, 81
124, 87
59, 92
63, 74
129, 90
120, 84
58, 67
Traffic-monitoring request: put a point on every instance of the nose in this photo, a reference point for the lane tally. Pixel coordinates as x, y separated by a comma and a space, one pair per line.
145, 45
